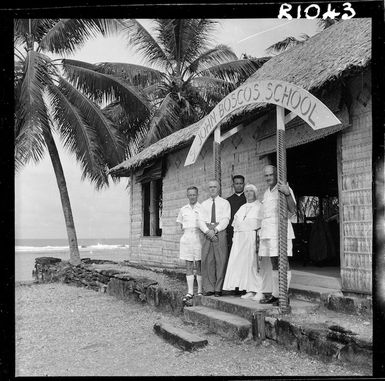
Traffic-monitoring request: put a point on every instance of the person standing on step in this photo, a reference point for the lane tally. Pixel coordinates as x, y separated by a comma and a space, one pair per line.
236, 200
268, 245
191, 241
213, 221
242, 269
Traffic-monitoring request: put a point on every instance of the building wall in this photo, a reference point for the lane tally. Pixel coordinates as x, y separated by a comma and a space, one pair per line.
239, 156
355, 165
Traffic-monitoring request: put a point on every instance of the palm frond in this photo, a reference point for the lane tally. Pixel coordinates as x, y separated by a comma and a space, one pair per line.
165, 120
66, 35
30, 107
110, 140
197, 38
136, 75
40, 28
30, 122
168, 33
219, 54
328, 22
20, 27
210, 87
79, 137
20, 31
133, 129
104, 87
29, 144
234, 71
283, 45
145, 43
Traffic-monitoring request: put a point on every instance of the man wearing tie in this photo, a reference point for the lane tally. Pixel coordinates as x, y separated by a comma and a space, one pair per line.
214, 218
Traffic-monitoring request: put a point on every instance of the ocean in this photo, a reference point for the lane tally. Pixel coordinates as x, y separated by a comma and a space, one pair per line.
26, 250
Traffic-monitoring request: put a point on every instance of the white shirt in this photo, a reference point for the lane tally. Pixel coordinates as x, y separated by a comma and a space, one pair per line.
269, 215
188, 216
222, 213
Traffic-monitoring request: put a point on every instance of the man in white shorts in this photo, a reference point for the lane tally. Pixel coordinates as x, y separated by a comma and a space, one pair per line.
268, 245
190, 242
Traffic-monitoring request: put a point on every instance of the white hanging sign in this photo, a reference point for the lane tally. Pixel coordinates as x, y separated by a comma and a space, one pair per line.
285, 94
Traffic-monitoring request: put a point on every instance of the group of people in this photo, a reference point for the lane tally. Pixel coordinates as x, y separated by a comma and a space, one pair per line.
233, 242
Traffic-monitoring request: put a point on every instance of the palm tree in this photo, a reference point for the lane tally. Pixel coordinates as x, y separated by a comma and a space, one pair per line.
291, 41
185, 77
45, 102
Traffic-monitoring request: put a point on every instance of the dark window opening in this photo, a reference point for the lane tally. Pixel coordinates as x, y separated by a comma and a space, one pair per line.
152, 208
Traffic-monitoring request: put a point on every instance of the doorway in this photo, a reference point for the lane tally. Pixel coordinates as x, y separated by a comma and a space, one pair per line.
312, 174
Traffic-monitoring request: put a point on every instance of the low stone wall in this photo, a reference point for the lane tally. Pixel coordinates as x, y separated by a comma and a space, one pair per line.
346, 304
113, 282
325, 343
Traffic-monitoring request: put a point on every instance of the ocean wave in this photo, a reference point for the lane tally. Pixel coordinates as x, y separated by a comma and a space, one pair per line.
98, 246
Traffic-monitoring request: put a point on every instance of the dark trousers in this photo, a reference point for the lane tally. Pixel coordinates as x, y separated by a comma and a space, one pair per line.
214, 262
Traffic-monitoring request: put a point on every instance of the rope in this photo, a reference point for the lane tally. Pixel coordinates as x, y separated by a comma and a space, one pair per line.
282, 228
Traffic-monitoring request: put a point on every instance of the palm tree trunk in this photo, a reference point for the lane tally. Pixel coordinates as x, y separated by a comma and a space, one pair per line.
65, 200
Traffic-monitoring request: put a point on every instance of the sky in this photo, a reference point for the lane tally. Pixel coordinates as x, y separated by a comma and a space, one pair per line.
104, 214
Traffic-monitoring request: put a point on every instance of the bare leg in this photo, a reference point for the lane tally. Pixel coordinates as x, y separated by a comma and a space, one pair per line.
198, 275
190, 277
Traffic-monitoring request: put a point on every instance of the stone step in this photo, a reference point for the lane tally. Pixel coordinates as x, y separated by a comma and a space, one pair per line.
311, 292
233, 305
332, 299
179, 337
222, 323
245, 308
306, 277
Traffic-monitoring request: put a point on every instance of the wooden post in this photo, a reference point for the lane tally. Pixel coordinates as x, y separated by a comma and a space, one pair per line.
217, 157
282, 226
258, 326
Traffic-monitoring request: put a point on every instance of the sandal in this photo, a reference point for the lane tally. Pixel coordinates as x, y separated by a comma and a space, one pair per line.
187, 297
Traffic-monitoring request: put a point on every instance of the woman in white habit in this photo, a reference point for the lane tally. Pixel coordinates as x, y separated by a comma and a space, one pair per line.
242, 268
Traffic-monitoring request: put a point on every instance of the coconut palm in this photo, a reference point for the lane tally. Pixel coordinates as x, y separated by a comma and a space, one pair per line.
45, 102
184, 79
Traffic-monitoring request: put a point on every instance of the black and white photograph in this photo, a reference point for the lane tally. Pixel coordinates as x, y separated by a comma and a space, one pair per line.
198, 196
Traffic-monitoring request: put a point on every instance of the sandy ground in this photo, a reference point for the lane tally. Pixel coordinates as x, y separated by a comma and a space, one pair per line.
63, 330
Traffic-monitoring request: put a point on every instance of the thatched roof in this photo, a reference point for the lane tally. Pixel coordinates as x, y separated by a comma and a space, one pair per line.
168, 144
337, 51
325, 57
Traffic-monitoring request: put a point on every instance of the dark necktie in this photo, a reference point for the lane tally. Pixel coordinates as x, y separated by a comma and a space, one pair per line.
213, 217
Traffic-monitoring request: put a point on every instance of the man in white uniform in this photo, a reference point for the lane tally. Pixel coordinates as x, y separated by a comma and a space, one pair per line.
190, 242
268, 246
213, 221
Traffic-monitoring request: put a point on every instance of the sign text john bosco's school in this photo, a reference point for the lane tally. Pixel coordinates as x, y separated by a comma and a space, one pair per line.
284, 94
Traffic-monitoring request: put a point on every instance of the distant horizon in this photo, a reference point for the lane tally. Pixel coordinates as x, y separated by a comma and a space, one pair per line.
66, 238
